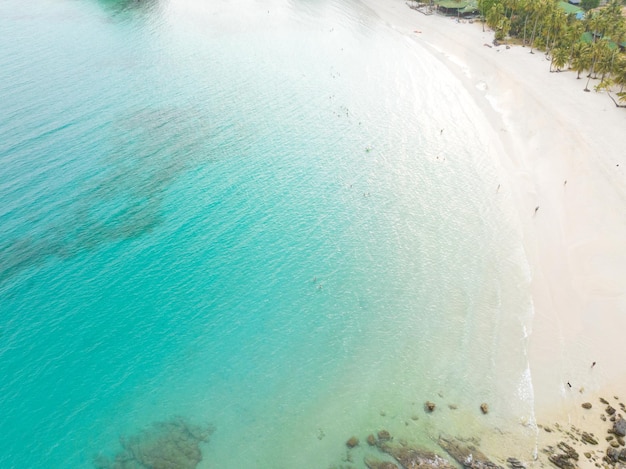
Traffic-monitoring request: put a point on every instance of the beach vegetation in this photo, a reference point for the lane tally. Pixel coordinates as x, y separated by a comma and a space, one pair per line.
540, 11
608, 86
619, 74
581, 57
486, 7
590, 44
560, 58
589, 4
615, 83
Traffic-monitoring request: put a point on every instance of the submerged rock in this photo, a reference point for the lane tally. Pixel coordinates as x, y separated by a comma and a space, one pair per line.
371, 440
352, 442
174, 444
484, 408
429, 406
619, 427
384, 435
373, 463
586, 405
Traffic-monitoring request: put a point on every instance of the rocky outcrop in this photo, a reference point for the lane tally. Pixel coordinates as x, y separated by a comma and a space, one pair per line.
413, 458
619, 427
589, 438
612, 454
467, 455
564, 456
562, 461
515, 463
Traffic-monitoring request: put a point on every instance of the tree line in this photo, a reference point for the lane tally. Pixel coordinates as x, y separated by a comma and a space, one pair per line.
590, 45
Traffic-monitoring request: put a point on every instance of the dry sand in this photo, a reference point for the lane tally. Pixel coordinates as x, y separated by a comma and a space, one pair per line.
562, 150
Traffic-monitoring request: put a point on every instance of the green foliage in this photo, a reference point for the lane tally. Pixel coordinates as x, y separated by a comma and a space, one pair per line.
589, 4
540, 42
485, 5
494, 15
590, 45
560, 58
581, 57
619, 71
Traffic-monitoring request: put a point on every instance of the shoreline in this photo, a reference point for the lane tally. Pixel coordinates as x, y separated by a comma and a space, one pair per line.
560, 152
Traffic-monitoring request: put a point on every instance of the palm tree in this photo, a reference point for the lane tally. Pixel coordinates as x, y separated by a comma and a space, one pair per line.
504, 26
611, 21
494, 15
485, 7
617, 78
581, 58
572, 36
607, 85
555, 25
619, 73
526, 9
512, 6
599, 50
560, 57
606, 61
541, 8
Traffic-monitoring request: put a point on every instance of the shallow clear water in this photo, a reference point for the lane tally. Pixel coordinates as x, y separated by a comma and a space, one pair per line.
277, 218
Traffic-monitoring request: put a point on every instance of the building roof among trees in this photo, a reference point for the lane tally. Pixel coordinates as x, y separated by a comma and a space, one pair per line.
460, 6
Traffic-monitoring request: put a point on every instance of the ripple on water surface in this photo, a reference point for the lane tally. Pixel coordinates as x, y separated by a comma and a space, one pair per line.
274, 224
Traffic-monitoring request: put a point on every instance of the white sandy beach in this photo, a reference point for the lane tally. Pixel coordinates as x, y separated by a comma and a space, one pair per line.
550, 132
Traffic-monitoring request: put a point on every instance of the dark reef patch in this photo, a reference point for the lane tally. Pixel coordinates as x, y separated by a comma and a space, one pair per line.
173, 444
148, 150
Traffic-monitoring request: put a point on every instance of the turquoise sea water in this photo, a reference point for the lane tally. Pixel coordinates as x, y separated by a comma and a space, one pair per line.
280, 219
